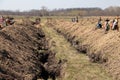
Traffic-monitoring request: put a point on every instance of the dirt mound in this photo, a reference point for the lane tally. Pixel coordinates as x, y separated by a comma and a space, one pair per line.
16, 52
24, 52
100, 47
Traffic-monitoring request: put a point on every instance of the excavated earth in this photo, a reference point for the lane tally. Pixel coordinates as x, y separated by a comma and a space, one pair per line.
25, 54
100, 47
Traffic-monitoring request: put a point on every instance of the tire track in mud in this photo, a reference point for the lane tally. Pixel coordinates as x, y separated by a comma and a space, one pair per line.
78, 66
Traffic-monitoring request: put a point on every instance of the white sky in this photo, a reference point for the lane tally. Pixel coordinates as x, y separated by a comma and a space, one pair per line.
52, 4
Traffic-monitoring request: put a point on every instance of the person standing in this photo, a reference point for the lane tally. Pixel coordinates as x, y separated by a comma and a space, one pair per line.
2, 21
99, 24
115, 24
106, 25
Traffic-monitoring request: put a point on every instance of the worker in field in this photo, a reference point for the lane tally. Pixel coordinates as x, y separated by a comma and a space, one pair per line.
99, 24
77, 19
2, 21
111, 23
106, 25
73, 19
36, 22
9, 21
115, 24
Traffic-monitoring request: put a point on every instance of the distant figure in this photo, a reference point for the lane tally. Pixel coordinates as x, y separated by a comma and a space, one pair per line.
38, 20
106, 25
2, 21
77, 19
115, 24
111, 23
99, 24
9, 21
73, 19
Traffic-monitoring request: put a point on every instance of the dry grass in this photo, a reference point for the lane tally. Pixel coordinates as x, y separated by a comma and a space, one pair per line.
78, 65
108, 44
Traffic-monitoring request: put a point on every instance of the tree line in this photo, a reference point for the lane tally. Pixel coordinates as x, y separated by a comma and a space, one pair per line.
110, 11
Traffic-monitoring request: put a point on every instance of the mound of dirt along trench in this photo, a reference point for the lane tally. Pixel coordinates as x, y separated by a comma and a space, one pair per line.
25, 54
99, 47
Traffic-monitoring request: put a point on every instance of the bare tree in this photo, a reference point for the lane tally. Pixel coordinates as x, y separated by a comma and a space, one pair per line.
44, 11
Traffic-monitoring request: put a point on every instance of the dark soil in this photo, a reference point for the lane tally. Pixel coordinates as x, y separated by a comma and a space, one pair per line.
25, 54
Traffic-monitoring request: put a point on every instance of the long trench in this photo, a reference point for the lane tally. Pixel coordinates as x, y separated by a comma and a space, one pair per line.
78, 66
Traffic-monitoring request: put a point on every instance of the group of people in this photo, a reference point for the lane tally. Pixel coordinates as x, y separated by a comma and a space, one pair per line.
75, 19
108, 24
6, 21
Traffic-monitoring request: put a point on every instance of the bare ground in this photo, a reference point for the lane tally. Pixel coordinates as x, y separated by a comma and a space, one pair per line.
25, 54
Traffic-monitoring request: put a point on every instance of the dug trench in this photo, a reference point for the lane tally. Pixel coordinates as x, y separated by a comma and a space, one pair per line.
84, 49
77, 43
101, 48
78, 66
25, 54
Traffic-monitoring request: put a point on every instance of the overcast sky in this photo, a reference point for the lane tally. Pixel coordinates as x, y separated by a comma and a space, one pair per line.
52, 4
